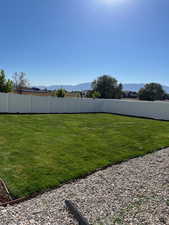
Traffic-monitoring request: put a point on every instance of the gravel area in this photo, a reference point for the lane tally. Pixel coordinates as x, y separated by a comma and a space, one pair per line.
135, 192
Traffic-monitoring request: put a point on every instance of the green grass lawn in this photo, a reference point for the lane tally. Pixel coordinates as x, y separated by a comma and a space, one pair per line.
42, 151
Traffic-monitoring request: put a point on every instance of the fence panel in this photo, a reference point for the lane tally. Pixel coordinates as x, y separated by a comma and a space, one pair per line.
155, 110
19, 103
40, 104
13, 103
3, 103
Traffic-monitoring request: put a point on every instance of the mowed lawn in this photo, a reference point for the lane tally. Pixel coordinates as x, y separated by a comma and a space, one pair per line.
42, 151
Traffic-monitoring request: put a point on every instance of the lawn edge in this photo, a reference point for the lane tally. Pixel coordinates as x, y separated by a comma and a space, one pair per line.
117, 114
71, 181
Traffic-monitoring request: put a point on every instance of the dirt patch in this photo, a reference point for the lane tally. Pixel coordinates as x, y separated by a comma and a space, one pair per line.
4, 194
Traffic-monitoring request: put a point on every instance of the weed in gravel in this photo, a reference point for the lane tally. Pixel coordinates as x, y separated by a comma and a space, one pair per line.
118, 220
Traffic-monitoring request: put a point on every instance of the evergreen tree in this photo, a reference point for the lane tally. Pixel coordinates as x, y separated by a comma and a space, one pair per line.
5, 85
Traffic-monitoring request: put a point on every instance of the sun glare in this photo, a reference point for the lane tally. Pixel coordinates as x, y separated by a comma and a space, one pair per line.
112, 1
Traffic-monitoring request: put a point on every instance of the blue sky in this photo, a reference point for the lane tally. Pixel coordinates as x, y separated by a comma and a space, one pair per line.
74, 41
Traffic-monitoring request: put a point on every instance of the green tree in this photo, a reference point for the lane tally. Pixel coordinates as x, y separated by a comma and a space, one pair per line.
152, 92
89, 94
95, 94
108, 87
2, 80
61, 92
8, 86
5, 85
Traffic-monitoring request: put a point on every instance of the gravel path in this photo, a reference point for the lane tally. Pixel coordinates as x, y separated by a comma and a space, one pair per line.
131, 193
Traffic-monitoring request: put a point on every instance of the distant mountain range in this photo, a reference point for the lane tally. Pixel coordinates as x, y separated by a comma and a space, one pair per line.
78, 87
87, 86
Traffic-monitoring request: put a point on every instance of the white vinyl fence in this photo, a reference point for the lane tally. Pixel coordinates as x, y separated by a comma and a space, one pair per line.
14, 103
155, 110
